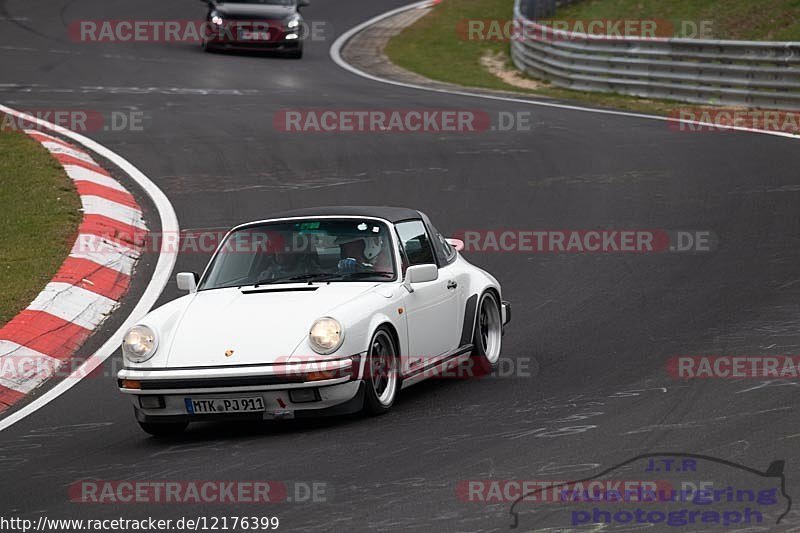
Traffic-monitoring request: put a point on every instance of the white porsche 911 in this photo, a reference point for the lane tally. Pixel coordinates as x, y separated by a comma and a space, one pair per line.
318, 311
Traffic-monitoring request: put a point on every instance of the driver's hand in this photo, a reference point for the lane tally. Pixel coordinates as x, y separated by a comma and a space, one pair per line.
347, 265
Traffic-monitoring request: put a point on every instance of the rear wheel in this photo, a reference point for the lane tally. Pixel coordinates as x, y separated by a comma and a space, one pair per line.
169, 429
382, 373
488, 337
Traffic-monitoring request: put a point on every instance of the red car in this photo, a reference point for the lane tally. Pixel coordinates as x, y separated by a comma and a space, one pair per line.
256, 25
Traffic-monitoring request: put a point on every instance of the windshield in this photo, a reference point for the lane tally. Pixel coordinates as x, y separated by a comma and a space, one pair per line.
305, 250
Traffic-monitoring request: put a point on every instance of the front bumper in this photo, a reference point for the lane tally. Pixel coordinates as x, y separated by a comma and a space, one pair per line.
283, 46
288, 390
335, 401
230, 38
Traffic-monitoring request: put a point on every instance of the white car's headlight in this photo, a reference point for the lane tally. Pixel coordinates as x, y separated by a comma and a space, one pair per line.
216, 19
326, 335
294, 22
139, 344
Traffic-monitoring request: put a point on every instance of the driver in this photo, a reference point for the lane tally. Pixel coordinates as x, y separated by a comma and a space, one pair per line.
362, 253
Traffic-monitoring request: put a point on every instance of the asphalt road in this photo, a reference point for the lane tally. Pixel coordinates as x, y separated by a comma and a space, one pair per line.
597, 329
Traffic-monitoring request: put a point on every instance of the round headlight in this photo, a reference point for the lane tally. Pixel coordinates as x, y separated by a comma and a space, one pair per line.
293, 22
326, 335
216, 19
139, 344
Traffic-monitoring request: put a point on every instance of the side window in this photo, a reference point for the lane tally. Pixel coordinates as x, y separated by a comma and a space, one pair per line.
415, 243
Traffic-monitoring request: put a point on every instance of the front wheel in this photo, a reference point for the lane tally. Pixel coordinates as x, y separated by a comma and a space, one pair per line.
382, 373
296, 53
170, 429
488, 337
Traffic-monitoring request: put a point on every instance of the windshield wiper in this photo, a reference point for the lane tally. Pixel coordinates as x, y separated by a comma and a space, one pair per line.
323, 276
317, 276
367, 274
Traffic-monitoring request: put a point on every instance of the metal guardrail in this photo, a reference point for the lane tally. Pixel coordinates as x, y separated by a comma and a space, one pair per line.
740, 73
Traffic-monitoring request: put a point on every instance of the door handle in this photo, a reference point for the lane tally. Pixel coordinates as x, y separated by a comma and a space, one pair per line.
452, 284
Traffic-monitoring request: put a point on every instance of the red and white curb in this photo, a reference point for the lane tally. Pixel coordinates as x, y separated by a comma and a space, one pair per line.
162, 272
87, 288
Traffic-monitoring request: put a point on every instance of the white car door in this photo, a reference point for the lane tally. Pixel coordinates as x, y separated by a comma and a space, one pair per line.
432, 311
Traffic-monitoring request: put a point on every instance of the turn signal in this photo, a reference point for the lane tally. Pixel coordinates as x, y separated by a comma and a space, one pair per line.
321, 375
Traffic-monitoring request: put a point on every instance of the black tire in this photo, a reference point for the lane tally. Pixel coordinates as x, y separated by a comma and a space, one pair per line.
382, 345
487, 316
169, 429
207, 47
296, 54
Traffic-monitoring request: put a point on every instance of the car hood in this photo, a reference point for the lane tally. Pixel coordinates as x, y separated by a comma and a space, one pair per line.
254, 11
258, 327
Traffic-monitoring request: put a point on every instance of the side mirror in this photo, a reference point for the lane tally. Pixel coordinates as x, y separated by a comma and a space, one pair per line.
187, 281
458, 244
303, 3
420, 274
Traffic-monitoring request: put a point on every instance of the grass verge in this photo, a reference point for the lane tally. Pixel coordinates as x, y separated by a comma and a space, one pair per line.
746, 20
39, 217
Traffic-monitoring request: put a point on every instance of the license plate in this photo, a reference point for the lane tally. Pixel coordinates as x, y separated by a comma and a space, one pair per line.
224, 405
248, 35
